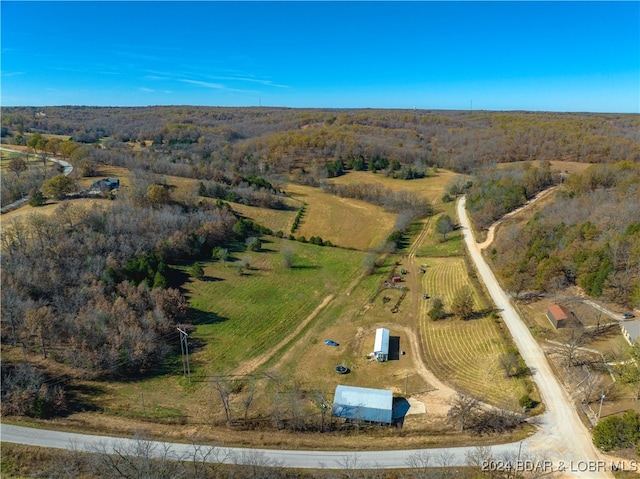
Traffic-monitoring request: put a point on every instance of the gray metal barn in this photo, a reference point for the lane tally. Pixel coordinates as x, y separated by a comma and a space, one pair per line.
364, 404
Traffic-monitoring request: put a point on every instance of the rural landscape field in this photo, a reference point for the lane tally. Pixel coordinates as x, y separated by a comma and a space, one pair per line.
245, 253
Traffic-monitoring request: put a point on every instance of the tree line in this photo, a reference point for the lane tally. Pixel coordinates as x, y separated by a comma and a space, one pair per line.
88, 287
281, 139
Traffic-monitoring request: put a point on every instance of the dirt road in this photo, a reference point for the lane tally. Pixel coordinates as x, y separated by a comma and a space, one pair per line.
561, 439
562, 435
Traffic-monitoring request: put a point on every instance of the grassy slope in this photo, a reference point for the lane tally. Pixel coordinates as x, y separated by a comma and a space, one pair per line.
241, 316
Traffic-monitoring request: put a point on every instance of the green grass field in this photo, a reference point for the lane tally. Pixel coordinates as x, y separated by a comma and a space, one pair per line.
240, 316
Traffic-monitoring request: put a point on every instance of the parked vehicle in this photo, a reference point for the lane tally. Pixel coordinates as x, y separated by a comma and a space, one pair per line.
628, 316
330, 342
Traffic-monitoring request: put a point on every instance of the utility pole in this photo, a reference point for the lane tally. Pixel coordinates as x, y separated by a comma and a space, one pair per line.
600, 408
184, 348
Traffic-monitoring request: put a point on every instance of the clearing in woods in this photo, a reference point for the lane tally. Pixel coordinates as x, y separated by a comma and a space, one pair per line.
345, 222
244, 318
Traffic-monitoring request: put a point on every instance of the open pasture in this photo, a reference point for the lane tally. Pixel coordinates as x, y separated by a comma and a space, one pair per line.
276, 220
434, 244
465, 353
432, 187
240, 316
345, 222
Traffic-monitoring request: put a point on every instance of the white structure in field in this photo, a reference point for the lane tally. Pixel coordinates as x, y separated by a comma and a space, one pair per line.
631, 331
381, 345
363, 404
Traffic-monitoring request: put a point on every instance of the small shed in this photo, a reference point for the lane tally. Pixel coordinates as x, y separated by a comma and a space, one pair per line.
381, 344
559, 315
630, 331
363, 404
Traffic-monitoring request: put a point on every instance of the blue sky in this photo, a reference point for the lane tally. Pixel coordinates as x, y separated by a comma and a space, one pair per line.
555, 56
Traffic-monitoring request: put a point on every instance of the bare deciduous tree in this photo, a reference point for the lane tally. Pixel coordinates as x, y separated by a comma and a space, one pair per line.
463, 410
223, 388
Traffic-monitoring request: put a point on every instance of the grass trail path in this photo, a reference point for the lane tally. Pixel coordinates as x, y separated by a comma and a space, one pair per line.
250, 366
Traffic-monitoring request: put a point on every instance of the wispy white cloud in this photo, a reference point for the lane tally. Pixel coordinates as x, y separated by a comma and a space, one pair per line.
217, 86
213, 81
151, 90
206, 84
250, 80
11, 74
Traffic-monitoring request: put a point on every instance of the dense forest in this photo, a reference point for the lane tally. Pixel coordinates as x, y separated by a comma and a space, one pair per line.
89, 288
589, 236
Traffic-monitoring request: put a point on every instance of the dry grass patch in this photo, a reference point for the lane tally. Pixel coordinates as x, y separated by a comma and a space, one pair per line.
465, 353
432, 187
345, 222
276, 220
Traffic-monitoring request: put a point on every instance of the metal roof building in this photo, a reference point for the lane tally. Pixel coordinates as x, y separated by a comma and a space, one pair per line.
631, 331
365, 404
381, 344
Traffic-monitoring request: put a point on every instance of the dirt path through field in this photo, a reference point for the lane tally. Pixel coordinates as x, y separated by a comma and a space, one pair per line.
439, 398
249, 367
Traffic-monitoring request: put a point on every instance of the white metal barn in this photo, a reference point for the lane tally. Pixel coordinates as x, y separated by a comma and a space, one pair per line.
363, 404
381, 344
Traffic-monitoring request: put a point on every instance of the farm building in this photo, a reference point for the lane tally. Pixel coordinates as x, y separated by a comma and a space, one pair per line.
631, 331
364, 404
381, 344
559, 315
106, 184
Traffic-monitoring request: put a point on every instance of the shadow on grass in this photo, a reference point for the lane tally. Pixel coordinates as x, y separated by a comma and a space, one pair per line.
305, 266
394, 348
400, 409
80, 397
198, 317
211, 279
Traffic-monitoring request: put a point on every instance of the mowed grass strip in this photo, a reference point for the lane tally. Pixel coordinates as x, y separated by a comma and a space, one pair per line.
242, 316
435, 244
465, 353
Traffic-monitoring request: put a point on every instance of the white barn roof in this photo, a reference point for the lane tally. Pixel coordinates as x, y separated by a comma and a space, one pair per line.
381, 344
366, 404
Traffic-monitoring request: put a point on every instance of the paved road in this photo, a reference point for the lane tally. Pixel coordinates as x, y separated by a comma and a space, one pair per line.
561, 438
67, 171
295, 459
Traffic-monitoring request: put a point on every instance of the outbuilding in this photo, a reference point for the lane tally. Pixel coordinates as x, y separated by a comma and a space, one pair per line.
631, 331
381, 344
363, 404
106, 184
559, 316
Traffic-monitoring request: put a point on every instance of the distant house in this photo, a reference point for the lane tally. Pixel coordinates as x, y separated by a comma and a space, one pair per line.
559, 315
381, 344
363, 404
106, 184
630, 331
